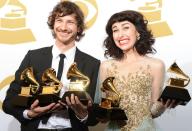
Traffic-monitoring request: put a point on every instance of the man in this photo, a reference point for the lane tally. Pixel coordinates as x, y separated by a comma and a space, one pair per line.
67, 24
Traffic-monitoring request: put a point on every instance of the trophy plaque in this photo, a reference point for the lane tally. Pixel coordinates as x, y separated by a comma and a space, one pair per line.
109, 106
50, 88
175, 86
29, 89
78, 84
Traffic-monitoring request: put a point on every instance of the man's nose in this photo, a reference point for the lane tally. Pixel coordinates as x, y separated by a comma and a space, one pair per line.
63, 26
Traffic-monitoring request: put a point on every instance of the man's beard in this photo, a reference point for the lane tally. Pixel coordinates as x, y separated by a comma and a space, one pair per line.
72, 38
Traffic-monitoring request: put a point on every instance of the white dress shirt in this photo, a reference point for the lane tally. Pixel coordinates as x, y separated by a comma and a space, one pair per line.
60, 119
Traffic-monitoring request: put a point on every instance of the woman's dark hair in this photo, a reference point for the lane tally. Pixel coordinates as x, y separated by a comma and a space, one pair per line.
143, 45
67, 8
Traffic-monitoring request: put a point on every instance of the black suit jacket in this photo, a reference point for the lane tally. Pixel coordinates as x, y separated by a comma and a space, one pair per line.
40, 60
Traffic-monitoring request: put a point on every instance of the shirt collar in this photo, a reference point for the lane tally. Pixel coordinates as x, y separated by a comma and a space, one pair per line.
69, 54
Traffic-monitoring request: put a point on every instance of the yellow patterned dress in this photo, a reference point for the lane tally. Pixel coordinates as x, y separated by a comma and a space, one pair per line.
135, 90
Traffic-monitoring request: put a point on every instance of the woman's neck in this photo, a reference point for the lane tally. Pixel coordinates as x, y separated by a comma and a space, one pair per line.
132, 56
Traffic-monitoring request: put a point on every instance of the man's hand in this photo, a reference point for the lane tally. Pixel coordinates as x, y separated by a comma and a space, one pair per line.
36, 110
75, 104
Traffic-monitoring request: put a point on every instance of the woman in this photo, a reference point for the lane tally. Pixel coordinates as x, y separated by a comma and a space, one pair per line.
138, 77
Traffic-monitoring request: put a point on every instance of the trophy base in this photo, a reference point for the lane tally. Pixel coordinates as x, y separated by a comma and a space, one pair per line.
46, 99
114, 113
82, 95
23, 101
26, 101
179, 94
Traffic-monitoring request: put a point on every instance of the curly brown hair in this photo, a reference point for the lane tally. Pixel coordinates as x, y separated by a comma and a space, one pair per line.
67, 8
143, 45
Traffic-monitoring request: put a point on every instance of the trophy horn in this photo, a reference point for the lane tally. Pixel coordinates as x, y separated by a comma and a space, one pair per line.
180, 75
28, 78
49, 78
74, 72
109, 86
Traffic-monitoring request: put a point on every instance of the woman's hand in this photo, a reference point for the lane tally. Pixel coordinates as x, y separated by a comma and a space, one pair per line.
170, 103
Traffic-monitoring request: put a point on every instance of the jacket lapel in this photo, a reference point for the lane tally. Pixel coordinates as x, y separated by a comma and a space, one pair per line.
43, 61
79, 59
47, 55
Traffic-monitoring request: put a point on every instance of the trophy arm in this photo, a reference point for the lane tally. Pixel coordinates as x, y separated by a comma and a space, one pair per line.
87, 82
57, 88
187, 82
34, 89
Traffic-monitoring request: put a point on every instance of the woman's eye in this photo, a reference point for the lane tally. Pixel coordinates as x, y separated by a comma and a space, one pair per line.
126, 27
115, 30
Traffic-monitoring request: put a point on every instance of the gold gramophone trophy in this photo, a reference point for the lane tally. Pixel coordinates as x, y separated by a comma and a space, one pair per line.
29, 89
175, 86
109, 106
78, 84
50, 88
13, 28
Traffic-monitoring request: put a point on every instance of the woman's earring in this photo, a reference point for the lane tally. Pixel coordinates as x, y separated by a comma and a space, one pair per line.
138, 37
